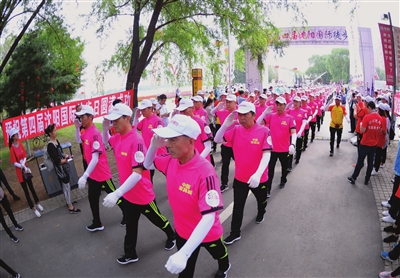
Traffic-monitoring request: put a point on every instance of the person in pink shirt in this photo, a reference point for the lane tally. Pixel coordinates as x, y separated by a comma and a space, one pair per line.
250, 143
314, 109
194, 195
150, 120
261, 105
320, 104
136, 187
283, 135
98, 173
300, 116
308, 110
199, 111
204, 140
222, 111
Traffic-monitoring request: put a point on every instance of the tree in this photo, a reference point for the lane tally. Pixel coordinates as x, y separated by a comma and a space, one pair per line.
240, 67
44, 68
318, 67
179, 30
338, 64
381, 73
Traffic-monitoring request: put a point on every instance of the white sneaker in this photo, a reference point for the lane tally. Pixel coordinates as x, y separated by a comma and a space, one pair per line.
385, 213
386, 204
388, 219
37, 213
39, 206
374, 173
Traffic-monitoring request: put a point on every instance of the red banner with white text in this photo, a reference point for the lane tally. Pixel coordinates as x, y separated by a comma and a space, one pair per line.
34, 124
387, 48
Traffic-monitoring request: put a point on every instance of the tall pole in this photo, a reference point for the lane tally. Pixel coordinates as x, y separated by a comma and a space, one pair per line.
394, 69
229, 56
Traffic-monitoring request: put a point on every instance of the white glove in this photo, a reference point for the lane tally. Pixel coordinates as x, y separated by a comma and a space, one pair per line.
138, 113
299, 135
268, 110
254, 180
27, 170
111, 199
157, 142
82, 181
230, 119
176, 263
292, 149
220, 105
106, 125
77, 123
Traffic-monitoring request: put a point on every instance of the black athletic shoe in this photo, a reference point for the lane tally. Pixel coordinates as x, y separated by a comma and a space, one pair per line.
19, 228
127, 260
16, 198
94, 228
351, 180
260, 218
391, 238
231, 239
269, 194
281, 185
330, 153
14, 238
224, 187
389, 229
170, 244
366, 182
222, 274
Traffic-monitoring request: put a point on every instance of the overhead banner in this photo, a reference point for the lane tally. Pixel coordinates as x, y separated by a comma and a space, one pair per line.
322, 35
396, 32
33, 124
386, 38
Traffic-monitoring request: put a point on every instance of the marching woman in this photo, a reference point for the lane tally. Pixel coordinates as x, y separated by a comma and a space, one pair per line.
18, 159
61, 166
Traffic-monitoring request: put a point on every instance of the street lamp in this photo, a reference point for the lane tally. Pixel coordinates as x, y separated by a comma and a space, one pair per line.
387, 17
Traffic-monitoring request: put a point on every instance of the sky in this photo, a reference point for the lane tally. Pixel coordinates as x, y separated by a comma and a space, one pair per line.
318, 13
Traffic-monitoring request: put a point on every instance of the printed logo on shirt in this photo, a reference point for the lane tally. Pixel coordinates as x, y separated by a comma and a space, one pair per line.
139, 157
86, 142
124, 154
299, 115
207, 129
255, 141
212, 198
283, 123
150, 126
96, 145
185, 188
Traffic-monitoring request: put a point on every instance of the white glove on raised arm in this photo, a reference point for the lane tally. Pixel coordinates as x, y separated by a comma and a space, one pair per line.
267, 111
177, 262
207, 149
106, 126
254, 180
135, 122
220, 106
82, 180
155, 143
111, 199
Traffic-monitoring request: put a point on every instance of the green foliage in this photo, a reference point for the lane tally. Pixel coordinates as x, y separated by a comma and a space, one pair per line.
338, 64
381, 73
318, 67
44, 68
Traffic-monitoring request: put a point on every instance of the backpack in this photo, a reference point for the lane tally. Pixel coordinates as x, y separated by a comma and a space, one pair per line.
47, 160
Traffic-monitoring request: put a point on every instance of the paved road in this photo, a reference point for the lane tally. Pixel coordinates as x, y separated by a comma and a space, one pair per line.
317, 226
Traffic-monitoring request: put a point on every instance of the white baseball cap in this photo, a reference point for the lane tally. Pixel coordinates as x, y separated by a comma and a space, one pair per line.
197, 98
120, 110
264, 96
252, 95
178, 126
86, 109
280, 100
385, 97
153, 101
146, 103
13, 131
231, 97
387, 106
246, 107
256, 89
296, 98
200, 92
304, 98
368, 99
184, 104
382, 106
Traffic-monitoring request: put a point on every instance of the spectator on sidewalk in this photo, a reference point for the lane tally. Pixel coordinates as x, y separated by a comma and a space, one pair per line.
9, 269
6, 205
78, 131
18, 159
370, 128
381, 149
391, 257
136, 188
98, 173
3, 180
194, 196
61, 166
164, 113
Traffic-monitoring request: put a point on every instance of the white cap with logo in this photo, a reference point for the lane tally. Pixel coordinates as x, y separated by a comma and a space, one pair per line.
184, 104
246, 107
197, 98
118, 111
178, 126
281, 100
86, 109
146, 103
231, 97
12, 132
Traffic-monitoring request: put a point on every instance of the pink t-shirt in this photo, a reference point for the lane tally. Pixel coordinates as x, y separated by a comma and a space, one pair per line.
308, 114
319, 102
313, 105
130, 151
193, 192
92, 142
145, 126
260, 110
299, 115
280, 129
248, 146
201, 113
205, 135
222, 114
